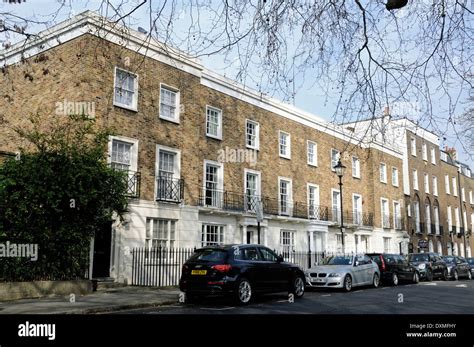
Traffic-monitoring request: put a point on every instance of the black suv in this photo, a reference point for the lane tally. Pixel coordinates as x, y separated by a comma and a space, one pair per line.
394, 268
239, 271
429, 265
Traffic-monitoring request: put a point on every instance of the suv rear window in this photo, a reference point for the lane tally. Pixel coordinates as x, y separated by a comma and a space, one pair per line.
209, 255
390, 259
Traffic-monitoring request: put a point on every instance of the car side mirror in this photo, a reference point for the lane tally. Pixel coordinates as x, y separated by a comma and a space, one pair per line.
280, 259
356, 263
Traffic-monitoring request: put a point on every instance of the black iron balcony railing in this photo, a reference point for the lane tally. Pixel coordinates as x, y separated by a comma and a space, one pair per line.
132, 181
231, 201
169, 189
354, 217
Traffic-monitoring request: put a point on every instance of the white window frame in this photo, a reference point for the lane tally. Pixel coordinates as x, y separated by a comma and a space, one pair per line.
220, 233
357, 211
220, 178
169, 242
433, 156
409, 210
176, 168
258, 192
338, 155
257, 135
426, 183
463, 194
219, 127
413, 146
455, 186
290, 196
428, 217
177, 105
316, 198
415, 180
397, 215
355, 174
471, 198
424, 151
134, 106
449, 218
287, 155
315, 153
447, 184
417, 213
435, 185
133, 151
387, 244
383, 219
291, 245
457, 219
383, 177
395, 182
436, 218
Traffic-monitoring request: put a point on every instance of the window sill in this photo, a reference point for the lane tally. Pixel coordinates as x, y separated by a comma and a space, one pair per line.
312, 164
254, 148
285, 157
214, 137
171, 120
126, 107
357, 177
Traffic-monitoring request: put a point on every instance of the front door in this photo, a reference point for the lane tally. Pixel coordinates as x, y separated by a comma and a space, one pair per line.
249, 236
102, 247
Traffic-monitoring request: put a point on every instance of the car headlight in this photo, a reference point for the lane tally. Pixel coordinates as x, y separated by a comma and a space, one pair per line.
334, 274
422, 266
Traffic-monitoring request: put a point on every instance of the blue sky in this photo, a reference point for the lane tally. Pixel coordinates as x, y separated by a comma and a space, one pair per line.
309, 95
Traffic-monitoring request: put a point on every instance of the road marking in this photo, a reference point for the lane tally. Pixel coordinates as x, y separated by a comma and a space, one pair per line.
326, 295
282, 301
431, 284
384, 288
461, 286
217, 309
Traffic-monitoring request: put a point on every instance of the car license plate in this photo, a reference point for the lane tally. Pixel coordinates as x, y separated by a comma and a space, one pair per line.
319, 280
198, 272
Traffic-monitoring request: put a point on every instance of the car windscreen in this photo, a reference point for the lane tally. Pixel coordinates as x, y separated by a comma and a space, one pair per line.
337, 260
418, 257
209, 255
450, 260
470, 261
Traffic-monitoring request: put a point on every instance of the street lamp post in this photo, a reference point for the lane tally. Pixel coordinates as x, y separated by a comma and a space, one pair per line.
339, 168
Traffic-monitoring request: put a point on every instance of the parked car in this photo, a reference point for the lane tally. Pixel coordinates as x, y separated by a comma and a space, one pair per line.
394, 268
429, 265
457, 267
239, 271
470, 261
344, 271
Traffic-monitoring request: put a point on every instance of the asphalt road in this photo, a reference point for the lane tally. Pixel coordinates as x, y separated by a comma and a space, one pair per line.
437, 297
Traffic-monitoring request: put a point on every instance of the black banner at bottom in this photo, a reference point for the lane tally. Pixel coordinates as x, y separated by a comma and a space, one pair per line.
66, 330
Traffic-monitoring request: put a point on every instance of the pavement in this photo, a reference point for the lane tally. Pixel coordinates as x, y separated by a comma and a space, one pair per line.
102, 301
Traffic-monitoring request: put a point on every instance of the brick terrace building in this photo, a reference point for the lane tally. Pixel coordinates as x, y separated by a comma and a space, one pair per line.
203, 153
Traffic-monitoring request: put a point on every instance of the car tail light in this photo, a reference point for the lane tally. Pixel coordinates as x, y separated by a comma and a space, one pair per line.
222, 268
185, 268
382, 262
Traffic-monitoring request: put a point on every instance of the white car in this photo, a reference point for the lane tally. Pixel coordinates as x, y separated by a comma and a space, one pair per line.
344, 271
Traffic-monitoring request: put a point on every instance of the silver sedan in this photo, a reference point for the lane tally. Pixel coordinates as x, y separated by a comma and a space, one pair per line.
344, 271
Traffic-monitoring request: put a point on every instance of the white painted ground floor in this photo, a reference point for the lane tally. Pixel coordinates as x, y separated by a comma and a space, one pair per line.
151, 224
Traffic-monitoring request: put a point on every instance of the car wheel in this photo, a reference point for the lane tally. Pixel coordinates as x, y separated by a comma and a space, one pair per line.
297, 287
416, 278
376, 280
429, 275
469, 275
243, 293
445, 275
347, 283
394, 279
455, 275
